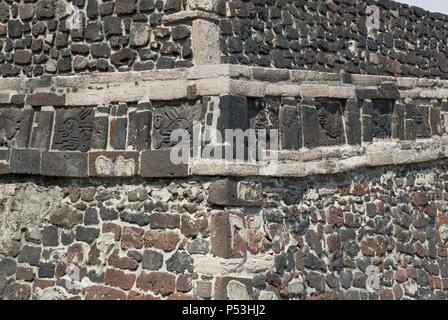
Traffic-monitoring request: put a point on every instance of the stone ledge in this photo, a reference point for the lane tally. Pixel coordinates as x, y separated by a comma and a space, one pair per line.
190, 15
156, 163
211, 80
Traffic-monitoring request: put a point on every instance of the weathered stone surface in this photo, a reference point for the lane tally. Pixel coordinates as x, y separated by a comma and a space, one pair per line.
113, 164
228, 232
64, 164
310, 124
229, 192
104, 293
291, 128
30, 255
139, 35
42, 128
120, 279
230, 288
166, 241
152, 260
15, 127
66, 217
139, 134
205, 42
157, 282
132, 238
329, 114
125, 56
25, 161
157, 163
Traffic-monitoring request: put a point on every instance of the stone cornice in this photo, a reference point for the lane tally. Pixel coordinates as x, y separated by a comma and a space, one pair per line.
212, 80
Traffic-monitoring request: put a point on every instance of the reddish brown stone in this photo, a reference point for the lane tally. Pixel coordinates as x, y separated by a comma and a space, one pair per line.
192, 91
13, 248
435, 282
132, 238
61, 40
123, 57
75, 253
109, 227
157, 282
335, 216
181, 296
386, 294
360, 189
61, 269
402, 275
66, 217
125, 263
120, 279
435, 121
333, 243
328, 295
192, 227
421, 250
25, 274
43, 284
369, 247
26, 11
164, 221
125, 6
227, 235
134, 295
16, 291
23, 57
104, 293
167, 241
419, 199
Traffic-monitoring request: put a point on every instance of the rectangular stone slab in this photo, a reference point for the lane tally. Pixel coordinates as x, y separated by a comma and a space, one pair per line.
25, 161
157, 164
64, 164
113, 164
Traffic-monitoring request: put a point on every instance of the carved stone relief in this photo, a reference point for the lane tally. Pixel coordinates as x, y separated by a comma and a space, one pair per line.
331, 126
167, 119
422, 128
382, 118
15, 126
73, 130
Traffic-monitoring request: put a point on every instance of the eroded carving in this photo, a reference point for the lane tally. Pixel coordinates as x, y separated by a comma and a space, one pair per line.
169, 118
382, 119
422, 128
15, 126
263, 114
119, 167
73, 130
331, 127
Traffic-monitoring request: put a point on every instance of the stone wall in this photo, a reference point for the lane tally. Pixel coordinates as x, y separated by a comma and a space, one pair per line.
313, 238
333, 36
62, 37
351, 205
